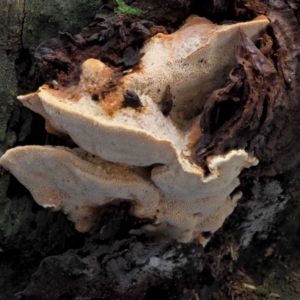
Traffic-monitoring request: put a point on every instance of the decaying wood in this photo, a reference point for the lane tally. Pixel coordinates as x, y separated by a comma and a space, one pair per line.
258, 110
115, 268
116, 41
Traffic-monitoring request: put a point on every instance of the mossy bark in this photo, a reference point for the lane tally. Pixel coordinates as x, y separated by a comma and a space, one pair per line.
24, 24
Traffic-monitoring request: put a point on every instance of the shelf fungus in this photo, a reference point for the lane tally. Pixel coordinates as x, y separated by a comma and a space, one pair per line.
136, 135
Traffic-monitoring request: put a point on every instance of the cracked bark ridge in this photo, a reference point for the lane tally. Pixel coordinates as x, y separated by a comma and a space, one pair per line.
116, 41
116, 269
259, 109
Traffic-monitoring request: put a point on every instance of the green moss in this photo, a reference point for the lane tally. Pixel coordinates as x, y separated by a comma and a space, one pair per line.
262, 291
125, 9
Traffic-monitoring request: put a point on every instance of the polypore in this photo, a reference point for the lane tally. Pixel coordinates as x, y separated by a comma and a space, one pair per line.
136, 141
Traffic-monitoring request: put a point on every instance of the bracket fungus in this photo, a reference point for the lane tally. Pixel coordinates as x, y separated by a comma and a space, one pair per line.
136, 141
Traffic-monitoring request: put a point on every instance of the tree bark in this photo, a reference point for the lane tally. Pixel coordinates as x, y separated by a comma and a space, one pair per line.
43, 257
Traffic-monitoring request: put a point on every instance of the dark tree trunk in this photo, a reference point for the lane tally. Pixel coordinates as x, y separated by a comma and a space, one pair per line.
253, 256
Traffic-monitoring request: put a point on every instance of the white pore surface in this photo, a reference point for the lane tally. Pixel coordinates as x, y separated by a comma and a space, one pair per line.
194, 61
138, 154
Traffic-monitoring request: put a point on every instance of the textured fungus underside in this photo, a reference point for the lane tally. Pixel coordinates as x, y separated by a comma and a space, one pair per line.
79, 183
121, 120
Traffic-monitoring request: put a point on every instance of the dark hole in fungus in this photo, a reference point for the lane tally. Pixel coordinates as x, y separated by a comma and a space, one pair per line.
95, 97
206, 234
166, 102
131, 99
